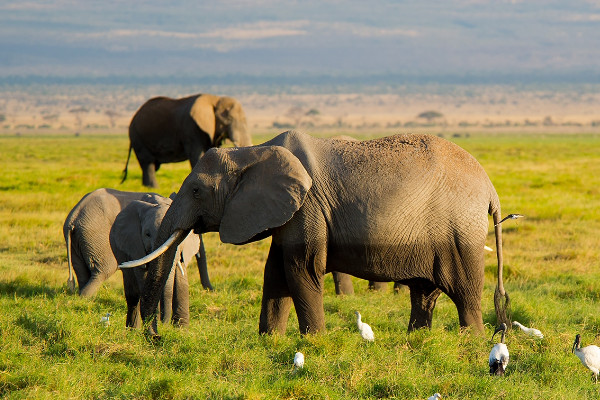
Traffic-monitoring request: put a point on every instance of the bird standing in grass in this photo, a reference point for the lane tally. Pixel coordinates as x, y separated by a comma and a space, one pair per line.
106, 319
529, 331
298, 361
499, 354
365, 330
435, 396
589, 356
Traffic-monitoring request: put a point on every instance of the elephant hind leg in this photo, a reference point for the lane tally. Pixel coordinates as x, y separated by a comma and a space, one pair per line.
276, 300
423, 296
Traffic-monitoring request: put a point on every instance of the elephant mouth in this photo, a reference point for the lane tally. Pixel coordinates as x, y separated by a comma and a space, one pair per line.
199, 227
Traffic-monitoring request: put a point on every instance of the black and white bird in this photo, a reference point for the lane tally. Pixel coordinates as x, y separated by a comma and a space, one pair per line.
298, 361
435, 396
589, 356
510, 216
499, 354
529, 331
365, 330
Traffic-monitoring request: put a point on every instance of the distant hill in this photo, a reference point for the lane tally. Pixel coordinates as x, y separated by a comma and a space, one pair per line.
310, 42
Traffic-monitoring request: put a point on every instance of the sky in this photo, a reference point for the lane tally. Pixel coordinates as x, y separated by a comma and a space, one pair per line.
356, 39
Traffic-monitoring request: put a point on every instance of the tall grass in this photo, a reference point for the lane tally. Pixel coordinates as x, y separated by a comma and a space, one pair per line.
53, 346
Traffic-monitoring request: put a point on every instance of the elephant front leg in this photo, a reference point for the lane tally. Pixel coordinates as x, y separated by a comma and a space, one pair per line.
276, 300
423, 295
181, 299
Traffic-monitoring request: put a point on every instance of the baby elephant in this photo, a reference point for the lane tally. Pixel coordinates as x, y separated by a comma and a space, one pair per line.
86, 231
132, 237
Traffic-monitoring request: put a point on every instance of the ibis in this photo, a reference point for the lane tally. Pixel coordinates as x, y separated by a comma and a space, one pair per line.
365, 330
589, 356
499, 354
298, 361
529, 331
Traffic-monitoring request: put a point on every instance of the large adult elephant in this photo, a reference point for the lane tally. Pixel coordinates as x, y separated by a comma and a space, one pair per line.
405, 208
131, 237
166, 130
86, 231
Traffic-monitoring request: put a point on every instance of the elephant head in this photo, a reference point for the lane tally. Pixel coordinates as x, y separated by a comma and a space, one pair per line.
221, 118
132, 236
242, 193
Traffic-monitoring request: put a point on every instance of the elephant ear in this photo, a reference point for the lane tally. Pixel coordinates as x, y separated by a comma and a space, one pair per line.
272, 186
203, 113
126, 232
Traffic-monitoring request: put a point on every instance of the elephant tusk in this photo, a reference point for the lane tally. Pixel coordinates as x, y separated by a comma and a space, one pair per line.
488, 248
155, 253
180, 267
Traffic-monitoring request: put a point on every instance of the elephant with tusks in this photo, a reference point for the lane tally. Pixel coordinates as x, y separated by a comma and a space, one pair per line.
405, 208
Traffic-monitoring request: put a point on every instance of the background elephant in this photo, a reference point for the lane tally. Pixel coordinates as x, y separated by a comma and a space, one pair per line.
166, 130
86, 231
405, 208
131, 237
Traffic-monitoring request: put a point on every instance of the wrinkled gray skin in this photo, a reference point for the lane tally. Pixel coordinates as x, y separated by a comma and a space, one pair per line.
405, 208
166, 130
132, 236
86, 232
343, 282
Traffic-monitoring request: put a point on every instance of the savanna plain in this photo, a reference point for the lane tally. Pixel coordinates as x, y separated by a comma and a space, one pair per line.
52, 344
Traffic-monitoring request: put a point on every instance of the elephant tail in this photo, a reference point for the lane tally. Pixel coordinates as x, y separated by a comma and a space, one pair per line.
126, 164
71, 280
501, 298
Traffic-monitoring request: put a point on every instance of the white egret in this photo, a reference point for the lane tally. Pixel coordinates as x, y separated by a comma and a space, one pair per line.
499, 354
435, 396
106, 319
365, 330
589, 356
529, 331
298, 361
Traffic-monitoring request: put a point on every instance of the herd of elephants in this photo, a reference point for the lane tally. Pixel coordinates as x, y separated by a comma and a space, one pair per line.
411, 209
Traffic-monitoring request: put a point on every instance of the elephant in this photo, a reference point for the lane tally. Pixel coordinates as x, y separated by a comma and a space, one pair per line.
131, 237
405, 208
166, 130
86, 231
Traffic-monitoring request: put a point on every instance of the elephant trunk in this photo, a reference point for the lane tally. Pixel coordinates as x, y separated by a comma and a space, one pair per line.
239, 135
160, 268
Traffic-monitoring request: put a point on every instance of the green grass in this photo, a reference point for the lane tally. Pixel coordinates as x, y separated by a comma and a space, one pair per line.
53, 346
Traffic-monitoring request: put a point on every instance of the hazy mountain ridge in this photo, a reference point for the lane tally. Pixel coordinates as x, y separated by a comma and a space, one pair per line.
269, 38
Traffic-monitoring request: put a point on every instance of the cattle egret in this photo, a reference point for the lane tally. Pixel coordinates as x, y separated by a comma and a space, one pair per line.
589, 356
106, 319
510, 216
298, 360
435, 396
499, 354
365, 330
529, 331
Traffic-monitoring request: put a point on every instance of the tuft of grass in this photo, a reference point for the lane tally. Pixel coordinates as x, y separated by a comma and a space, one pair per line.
52, 344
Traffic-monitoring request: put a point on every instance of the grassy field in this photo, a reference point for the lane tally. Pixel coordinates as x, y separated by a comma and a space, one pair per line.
53, 346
